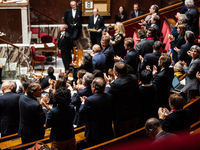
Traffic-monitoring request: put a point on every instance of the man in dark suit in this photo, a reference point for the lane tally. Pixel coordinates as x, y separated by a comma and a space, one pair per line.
163, 80
151, 58
32, 115
108, 51
179, 119
126, 104
9, 110
144, 46
44, 82
136, 11
132, 58
182, 52
99, 59
154, 130
96, 22
98, 112
155, 23
79, 120
73, 20
192, 14
65, 44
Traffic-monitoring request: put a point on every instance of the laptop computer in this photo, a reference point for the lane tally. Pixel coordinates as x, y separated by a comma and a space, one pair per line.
176, 84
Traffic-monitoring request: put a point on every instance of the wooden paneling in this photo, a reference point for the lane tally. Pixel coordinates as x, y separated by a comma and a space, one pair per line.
56, 9
11, 25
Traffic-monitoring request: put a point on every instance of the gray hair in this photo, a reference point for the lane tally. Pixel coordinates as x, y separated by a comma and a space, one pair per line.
88, 78
179, 67
87, 58
72, 2
96, 48
183, 18
157, 45
189, 3
195, 47
189, 35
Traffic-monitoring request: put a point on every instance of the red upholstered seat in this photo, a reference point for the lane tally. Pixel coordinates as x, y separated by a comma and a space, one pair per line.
46, 39
40, 58
37, 59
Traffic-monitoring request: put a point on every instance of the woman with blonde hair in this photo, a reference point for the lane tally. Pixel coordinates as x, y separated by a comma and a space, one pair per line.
118, 40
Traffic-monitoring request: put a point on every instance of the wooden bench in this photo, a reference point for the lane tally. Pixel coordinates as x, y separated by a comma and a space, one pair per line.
79, 135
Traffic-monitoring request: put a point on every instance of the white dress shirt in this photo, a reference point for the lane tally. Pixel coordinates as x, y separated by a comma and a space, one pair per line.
73, 13
95, 19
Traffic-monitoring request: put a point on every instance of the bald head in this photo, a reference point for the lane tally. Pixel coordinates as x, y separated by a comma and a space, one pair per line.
152, 123
98, 85
6, 86
95, 11
63, 27
96, 48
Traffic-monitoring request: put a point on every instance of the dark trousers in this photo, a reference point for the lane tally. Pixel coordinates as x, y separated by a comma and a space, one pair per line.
75, 33
123, 127
0, 75
66, 58
95, 38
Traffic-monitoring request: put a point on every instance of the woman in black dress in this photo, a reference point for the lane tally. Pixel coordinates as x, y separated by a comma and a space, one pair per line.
120, 16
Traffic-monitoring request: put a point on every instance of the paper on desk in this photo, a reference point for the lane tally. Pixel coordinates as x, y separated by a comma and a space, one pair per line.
50, 44
38, 45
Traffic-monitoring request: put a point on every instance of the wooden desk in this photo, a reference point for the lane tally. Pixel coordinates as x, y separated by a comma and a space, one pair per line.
47, 49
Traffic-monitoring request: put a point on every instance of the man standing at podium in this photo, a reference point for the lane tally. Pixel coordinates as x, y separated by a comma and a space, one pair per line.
96, 22
73, 20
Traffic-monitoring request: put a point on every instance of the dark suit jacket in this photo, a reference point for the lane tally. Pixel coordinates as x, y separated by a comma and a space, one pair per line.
193, 20
150, 59
98, 113
176, 121
70, 20
45, 82
163, 82
132, 14
126, 104
99, 61
65, 43
79, 120
60, 119
99, 23
144, 46
177, 43
9, 112
109, 53
119, 19
132, 58
182, 55
88, 67
32, 118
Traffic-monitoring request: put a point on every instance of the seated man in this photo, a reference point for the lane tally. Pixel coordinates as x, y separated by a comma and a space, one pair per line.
178, 119
44, 82
154, 130
136, 11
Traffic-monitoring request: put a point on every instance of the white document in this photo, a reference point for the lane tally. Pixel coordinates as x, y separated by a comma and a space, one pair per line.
50, 44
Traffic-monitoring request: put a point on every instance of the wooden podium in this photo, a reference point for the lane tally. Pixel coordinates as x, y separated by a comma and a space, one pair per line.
15, 21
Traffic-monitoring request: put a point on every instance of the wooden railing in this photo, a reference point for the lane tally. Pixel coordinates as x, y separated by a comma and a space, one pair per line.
8, 43
40, 12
